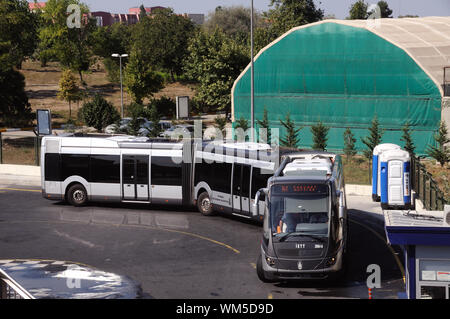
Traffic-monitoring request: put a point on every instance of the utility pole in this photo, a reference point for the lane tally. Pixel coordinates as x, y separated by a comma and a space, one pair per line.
120, 56
252, 93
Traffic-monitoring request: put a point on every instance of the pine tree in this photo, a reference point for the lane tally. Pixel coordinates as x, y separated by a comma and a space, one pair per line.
441, 152
349, 144
142, 12
242, 123
406, 137
264, 124
155, 118
220, 123
291, 139
376, 134
320, 138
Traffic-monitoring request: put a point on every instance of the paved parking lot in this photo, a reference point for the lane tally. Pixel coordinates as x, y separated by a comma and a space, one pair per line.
174, 252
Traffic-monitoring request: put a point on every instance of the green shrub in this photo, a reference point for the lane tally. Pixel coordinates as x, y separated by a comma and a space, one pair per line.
98, 113
165, 106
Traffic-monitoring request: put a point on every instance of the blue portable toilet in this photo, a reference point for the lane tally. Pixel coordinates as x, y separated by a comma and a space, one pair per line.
395, 186
380, 148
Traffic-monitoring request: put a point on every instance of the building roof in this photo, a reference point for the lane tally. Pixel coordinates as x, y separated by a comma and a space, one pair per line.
36, 5
425, 40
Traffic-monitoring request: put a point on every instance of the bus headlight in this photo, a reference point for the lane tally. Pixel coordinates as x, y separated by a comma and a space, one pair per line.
330, 261
270, 261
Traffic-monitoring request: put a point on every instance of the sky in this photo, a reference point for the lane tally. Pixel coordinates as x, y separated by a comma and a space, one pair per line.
339, 8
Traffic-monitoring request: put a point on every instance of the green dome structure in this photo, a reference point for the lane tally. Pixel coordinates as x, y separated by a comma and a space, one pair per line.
345, 72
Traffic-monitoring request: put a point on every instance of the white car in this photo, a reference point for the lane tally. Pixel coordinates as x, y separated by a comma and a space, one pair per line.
123, 126
182, 130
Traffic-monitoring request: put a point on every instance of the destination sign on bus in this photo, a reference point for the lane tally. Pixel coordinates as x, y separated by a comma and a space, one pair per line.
300, 189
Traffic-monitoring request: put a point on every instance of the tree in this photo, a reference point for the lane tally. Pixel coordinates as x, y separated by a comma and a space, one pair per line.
242, 123
136, 111
376, 134
349, 144
440, 152
264, 124
15, 110
140, 79
292, 139
408, 16
285, 15
98, 113
406, 137
18, 32
165, 106
68, 89
112, 39
220, 123
234, 21
70, 46
215, 61
320, 133
155, 118
17, 41
358, 10
162, 40
142, 12
386, 12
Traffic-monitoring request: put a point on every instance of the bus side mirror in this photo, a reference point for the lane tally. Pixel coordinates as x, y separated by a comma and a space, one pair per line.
260, 196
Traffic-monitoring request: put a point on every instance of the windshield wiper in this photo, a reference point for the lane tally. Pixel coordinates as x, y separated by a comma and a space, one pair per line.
286, 236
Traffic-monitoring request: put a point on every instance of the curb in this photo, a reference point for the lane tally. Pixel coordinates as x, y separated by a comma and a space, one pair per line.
20, 170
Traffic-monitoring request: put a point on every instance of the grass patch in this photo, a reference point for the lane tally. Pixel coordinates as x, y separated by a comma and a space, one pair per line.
19, 151
441, 175
357, 170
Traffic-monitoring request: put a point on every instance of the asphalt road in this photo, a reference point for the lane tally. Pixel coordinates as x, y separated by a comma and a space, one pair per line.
174, 252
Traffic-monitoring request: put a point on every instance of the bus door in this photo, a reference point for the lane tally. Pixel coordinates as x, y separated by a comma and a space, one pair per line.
241, 188
135, 177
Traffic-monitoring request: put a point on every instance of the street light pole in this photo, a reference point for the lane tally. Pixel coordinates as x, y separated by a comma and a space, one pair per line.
120, 56
252, 93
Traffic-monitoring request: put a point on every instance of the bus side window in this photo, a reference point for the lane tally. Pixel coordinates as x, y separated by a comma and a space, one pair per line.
75, 164
165, 172
53, 167
258, 180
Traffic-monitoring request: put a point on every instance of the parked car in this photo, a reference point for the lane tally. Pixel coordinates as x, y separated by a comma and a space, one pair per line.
114, 128
147, 127
124, 125
181, 130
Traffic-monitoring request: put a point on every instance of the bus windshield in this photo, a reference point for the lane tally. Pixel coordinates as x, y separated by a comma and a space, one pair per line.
299, 211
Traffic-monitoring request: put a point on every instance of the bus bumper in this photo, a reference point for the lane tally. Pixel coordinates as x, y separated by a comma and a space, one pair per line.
323, 270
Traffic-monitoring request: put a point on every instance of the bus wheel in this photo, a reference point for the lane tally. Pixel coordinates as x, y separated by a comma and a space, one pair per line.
77, 195
260, 271
204, 204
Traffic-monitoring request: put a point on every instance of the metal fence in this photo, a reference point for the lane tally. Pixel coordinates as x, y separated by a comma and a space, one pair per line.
10, 289
425, 186
19, 148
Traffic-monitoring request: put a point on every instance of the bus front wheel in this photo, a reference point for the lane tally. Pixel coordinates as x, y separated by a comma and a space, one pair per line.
204, 204
77, 195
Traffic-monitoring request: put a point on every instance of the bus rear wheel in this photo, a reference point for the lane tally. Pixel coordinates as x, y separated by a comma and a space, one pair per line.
204, 204
77, 195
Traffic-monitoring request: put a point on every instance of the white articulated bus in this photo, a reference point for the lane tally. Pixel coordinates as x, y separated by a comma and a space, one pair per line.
217, 177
